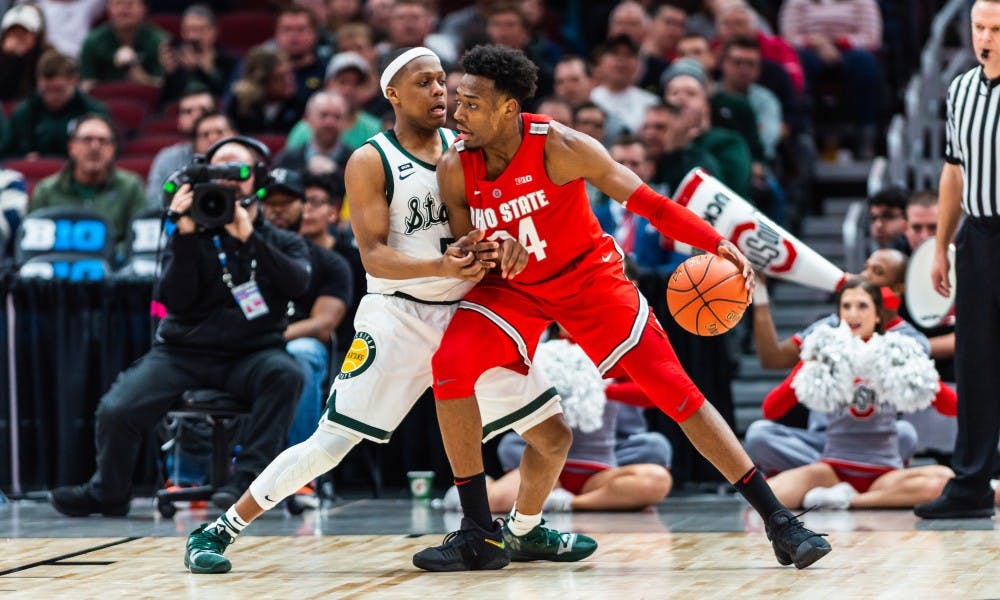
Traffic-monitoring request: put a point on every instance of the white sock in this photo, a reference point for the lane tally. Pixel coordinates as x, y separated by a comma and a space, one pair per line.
230, 522
520, 523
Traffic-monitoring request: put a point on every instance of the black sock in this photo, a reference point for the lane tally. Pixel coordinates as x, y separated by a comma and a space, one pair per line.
758, 493
475, 504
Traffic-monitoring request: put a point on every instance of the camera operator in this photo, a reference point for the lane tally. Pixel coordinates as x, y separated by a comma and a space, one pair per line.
225, 289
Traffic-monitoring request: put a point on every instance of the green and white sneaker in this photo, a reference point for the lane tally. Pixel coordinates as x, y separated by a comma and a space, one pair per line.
204, 550
542, 543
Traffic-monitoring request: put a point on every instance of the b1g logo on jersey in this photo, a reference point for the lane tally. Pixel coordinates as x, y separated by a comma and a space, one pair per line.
425, 214
359, 356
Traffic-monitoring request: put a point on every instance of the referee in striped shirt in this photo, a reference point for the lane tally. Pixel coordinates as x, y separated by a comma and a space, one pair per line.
969, 183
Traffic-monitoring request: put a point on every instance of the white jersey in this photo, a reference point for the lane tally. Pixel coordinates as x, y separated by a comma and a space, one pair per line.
418, 220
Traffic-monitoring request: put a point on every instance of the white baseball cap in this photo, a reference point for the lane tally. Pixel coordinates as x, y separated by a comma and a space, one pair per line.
343, 61
23, 15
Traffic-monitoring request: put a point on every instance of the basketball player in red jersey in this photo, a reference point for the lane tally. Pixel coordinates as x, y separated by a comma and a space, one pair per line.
519, 175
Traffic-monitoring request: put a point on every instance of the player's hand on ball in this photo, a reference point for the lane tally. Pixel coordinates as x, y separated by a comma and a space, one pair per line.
730, 252
513, 258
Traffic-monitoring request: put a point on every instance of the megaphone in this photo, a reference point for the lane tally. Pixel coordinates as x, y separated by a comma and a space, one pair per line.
770, 248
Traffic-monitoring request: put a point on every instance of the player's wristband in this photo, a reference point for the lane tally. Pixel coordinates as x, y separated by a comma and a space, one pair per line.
760, 297
673, 220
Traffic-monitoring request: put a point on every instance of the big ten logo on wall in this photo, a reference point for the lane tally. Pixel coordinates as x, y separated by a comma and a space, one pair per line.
63, 235
64, 243
147, 236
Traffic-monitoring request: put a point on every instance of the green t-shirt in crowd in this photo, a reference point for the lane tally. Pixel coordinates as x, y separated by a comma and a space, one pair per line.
673, 166
97, 57
733, 156
735, 114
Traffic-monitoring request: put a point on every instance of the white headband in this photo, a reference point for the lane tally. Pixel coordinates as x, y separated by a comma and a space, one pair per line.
401, 61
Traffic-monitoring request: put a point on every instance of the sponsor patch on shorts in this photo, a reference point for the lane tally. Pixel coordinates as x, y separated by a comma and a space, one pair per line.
359, 357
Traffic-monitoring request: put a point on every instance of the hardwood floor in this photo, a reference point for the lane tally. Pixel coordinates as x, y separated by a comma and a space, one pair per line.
864, 564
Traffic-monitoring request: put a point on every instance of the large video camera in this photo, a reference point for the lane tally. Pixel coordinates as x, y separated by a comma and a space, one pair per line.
213, 203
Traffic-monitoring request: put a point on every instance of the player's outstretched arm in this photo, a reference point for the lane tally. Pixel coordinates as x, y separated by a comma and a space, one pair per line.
365, 181
570, 155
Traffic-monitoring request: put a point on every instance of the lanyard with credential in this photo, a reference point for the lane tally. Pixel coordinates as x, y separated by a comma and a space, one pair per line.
247, 295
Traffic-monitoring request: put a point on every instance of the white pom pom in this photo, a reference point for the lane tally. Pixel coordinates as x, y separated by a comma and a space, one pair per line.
894, 366
901, 373
579, 383
826, 380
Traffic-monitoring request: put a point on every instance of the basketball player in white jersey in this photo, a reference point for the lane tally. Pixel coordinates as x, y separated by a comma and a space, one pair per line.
416, 276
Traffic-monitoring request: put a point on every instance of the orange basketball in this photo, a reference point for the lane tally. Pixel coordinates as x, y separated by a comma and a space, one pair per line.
707, 295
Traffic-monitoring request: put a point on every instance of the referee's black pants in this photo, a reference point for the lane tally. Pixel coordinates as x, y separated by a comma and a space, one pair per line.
269, 379
977, 357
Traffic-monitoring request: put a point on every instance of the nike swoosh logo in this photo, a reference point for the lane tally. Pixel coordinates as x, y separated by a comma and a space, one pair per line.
680, 407
476, 192
499, 544
566, 543
749, 476
444, 381
402, 177
608, 257
268, 498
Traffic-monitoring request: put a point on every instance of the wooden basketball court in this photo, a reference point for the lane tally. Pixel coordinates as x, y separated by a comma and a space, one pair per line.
671, 552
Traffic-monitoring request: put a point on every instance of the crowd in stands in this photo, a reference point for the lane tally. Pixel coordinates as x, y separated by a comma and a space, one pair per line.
741, 105
104, 99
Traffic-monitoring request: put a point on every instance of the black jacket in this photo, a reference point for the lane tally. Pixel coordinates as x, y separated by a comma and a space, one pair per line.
202, 314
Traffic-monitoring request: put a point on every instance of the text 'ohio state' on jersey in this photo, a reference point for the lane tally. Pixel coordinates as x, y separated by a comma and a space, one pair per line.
553, 222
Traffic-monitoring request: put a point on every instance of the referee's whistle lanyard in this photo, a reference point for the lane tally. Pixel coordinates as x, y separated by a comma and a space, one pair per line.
247, 295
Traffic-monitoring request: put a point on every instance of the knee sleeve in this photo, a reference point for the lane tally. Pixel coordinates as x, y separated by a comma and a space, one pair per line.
300, 464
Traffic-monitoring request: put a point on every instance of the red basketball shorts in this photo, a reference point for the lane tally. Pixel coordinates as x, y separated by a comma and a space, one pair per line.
499, 325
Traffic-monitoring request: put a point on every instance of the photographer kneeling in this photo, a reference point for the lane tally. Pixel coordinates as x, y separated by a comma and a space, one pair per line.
226, 282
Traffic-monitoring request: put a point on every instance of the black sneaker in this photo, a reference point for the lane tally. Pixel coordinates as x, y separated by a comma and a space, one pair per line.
792, 542
79, 501
471, 548
945, 507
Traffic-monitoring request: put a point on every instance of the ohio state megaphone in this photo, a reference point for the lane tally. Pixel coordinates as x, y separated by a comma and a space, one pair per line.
770, 248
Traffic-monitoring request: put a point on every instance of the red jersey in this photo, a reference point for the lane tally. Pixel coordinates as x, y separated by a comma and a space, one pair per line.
553, 222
